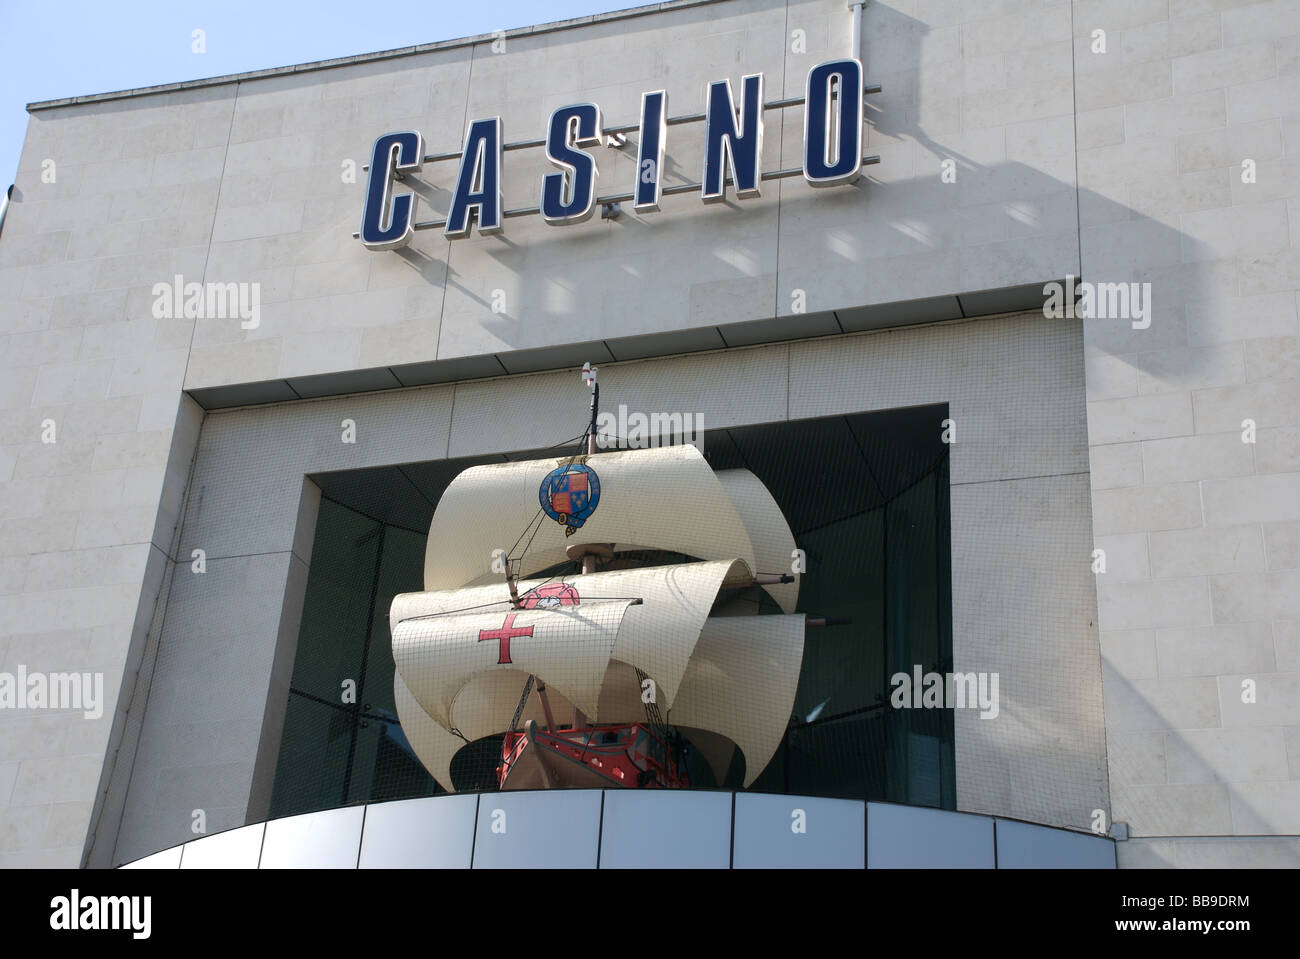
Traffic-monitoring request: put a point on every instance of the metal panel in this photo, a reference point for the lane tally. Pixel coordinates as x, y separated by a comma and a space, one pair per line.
1025, 846
773, 832
427, 833
639, 829
989, 302
243, 394
554, 357
797, 327
318, 840
912, 837
448, 371
167, 859
882, 315
551, 829
674, 830
350, 381
665, 344
233, 849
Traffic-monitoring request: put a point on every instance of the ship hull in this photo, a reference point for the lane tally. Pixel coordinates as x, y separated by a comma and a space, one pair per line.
595, 757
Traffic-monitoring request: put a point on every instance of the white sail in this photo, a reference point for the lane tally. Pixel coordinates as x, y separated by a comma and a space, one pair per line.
717, 750
434, 745
407, 606
568, 647
774, 545
740, 686
667, 498
443, 639
487, 698
742, 682
738, 690
659, 636
621, 645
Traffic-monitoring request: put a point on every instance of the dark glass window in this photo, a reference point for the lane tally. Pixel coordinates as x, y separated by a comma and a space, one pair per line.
867, 499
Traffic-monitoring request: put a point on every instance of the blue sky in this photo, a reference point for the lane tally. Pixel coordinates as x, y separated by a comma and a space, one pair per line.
64, 48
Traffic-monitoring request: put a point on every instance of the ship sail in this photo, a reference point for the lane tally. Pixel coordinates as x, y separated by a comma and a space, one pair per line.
774, 546
654, 648
741, 661
737, 687
666, 499
569, 648
433, 744
568, 645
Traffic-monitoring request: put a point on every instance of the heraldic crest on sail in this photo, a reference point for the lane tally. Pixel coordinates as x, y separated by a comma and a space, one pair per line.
616, 675
569, 495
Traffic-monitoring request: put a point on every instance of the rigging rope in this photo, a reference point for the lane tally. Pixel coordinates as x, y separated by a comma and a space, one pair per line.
528, 688
536, 523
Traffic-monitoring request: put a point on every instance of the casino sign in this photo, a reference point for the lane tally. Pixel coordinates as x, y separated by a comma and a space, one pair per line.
733, 141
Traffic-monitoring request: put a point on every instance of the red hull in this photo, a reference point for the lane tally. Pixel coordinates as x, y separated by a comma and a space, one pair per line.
629, 755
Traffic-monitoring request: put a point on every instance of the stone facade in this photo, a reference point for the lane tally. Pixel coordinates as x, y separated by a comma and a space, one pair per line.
1117, 166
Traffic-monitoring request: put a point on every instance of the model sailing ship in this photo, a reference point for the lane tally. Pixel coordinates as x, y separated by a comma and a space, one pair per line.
607, 677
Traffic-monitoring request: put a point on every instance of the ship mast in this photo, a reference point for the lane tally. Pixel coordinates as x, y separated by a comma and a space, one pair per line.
589, 378
589, 556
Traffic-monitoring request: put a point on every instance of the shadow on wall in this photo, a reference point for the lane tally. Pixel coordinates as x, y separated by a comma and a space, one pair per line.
1161, 274
1164, 287
4, 206
947, 239
929, 242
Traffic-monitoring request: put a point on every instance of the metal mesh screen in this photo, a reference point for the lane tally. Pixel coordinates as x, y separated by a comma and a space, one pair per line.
342, 742
866, 497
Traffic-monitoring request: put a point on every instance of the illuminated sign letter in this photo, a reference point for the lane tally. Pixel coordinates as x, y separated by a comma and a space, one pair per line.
393, 153
726, 146
571, 127
478, 186
832, 123
650, 155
